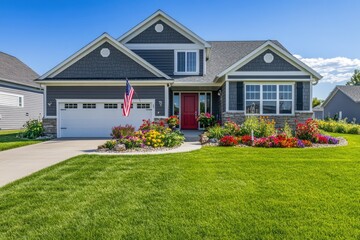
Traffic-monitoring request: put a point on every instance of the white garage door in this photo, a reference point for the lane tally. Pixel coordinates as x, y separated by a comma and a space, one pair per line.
96, 119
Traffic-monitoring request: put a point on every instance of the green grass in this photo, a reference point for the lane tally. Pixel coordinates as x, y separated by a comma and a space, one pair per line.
9, 140
213, 193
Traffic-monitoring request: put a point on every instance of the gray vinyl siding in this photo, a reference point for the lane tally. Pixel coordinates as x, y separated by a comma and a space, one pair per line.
233, 96
168, 35
164, 60
306, 95
341, 102
216, 105
258, 64
15, 117
161, 59
103, 92
223, 98
116, 66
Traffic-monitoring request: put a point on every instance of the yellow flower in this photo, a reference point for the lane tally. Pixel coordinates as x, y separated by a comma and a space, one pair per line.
158, 140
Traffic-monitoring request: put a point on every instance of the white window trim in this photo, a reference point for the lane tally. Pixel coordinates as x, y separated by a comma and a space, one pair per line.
15, 95
277, 100
176, 61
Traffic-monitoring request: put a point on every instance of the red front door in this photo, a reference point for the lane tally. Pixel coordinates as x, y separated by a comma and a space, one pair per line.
189, 110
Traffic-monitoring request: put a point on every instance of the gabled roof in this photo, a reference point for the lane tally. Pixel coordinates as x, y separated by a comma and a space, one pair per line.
353, 92
160, 15
276, 48
15, 71
223, 55
94, 44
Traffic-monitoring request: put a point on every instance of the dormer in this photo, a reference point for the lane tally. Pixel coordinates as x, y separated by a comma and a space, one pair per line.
168, 45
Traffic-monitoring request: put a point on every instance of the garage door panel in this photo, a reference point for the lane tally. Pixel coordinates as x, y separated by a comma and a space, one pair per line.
98, 122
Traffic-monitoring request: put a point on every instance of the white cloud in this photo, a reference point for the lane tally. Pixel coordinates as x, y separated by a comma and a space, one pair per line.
333, 70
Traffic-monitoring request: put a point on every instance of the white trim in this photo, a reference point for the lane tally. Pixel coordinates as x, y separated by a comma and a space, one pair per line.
163, 46
45, 103
160, 15
227, 107
176, 61
92, 46
311, 96
119, 101
260, 73
194, 84
102, 83
276, 49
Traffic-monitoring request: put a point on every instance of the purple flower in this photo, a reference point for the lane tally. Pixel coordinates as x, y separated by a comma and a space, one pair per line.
300, 144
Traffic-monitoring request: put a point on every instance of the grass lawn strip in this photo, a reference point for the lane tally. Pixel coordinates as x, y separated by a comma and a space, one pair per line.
213, 193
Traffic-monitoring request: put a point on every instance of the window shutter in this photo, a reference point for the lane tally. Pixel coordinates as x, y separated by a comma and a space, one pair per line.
240, 95
299, 96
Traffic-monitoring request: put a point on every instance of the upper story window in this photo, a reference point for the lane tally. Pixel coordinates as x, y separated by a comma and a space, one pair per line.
269, 99
186, 62
11, 100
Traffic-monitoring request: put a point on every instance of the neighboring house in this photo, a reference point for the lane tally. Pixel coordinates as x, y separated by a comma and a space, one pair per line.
21, 98
343, 102
318, 112
174, 72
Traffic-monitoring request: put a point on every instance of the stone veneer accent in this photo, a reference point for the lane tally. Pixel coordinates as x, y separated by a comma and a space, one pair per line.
49, 126
239, 118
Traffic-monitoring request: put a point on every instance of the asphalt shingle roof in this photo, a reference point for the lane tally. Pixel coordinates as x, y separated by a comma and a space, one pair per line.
15, 71
352, 92
223, 55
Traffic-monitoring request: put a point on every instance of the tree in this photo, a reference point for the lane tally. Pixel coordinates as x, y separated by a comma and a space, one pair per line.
316, 102
355, 79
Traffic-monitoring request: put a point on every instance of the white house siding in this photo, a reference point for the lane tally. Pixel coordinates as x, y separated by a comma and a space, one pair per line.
15, 117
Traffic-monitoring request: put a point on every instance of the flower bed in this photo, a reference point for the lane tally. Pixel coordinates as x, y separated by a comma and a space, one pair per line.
341, 126
149, 137
261, 132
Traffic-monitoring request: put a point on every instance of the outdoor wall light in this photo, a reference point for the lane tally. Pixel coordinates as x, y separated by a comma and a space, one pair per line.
160, 103
219, 92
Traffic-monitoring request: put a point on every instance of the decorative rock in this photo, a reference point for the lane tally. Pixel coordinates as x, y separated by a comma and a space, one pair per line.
204, 139
213, 140
120, 147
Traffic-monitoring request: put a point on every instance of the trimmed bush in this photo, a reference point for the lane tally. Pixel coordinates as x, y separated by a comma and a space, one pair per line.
33, 129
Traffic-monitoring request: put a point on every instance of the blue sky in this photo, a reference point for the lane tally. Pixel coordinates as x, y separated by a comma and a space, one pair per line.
324, 34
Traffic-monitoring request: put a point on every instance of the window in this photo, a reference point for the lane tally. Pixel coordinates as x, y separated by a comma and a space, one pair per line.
176, 104
11, 100
110, 105
71, 105
253, 99
285, 96
186, 62
143, 105
122, 105
89, 105
269, 99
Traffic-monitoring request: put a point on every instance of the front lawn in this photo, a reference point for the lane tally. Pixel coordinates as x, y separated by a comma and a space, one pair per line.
9, 140
213, 193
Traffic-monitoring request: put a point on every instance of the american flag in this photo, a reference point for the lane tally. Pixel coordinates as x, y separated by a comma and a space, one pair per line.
129, 92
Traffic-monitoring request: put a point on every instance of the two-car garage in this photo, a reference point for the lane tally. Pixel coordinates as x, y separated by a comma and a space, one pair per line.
95, 118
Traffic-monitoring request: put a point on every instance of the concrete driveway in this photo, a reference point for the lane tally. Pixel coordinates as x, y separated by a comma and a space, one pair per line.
20, 162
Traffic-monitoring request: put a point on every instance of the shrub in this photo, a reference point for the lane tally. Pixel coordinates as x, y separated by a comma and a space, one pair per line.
232, 128
246, 139
122, 131
250, 123
132, 142
33, 129
287, 130
216, 132
341, 126
266, 127
173, 139
206, 119
307, 130
110, 144
228, 141
157, 126
154, 138
353, 130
